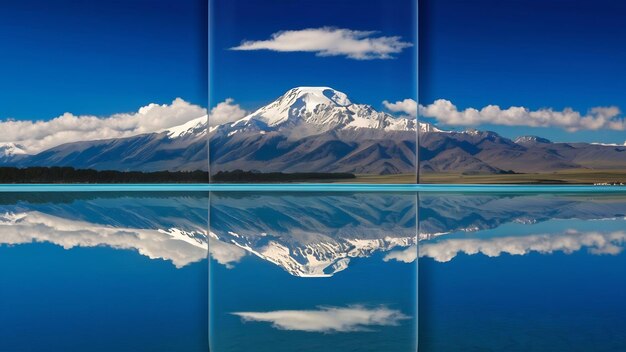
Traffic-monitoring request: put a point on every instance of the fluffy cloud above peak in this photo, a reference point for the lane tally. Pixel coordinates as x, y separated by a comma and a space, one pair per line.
597, 118
36, 136
328, 41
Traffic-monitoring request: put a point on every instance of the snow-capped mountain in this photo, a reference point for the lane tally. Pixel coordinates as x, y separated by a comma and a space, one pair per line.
313, 110
426, 127
320, 129
181, 148
315, 129
11, 151
194, 128
531, 140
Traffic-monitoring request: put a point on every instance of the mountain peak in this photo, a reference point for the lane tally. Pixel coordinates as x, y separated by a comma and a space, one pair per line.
299, 101
425, 127
8, 150
318, 95
531, 139
313, 110
194, 127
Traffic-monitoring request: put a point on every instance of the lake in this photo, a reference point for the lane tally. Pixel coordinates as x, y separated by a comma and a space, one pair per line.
312, 271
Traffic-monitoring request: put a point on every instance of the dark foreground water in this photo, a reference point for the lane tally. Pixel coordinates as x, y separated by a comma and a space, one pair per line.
335, 271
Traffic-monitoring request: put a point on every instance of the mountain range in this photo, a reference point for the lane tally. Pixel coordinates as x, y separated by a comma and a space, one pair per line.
319, 129
182, 148
474, 151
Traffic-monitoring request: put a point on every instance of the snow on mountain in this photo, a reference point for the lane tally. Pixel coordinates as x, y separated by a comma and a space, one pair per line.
319, 129
328, 109
195, 127
426, 127
9, 151
300, 102
313, 110
344, 137
315, 129
531, 139
180, 148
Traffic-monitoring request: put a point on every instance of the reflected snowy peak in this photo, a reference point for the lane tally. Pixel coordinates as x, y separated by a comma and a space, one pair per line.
314, 235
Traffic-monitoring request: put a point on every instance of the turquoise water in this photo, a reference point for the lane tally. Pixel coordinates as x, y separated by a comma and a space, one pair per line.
310, 187
370, 268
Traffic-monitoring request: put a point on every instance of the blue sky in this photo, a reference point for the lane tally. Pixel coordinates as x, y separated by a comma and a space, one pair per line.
531, 53
254, 78
100, 57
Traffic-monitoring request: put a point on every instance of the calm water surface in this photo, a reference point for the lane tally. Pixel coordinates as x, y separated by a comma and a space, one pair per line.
103, 272
522, 272
335, 271
313, 272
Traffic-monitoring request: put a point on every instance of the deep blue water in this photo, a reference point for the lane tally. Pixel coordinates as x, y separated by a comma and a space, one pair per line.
360, 230
90, 272
523, 273
310, 271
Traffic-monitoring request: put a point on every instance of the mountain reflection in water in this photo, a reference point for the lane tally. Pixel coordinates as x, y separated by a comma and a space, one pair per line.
313, 235
330, 271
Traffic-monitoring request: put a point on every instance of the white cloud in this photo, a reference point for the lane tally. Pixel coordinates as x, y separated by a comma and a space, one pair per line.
406, 256
407, 106
568, 242
36, 136
37, 227
328, 319
225, 253
225, 112
597, 118
328, 41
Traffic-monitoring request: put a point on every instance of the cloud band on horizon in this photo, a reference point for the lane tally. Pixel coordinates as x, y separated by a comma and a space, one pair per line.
36, 136
597, 118
445, 112
329, 41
